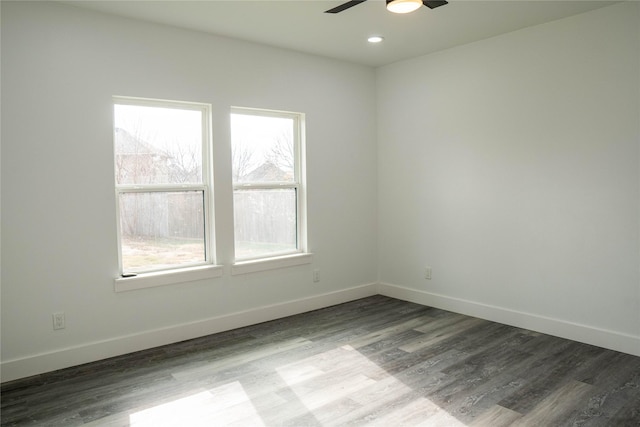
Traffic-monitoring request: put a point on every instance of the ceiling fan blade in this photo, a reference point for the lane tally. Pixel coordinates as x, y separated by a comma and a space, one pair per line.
345, 6
433, 4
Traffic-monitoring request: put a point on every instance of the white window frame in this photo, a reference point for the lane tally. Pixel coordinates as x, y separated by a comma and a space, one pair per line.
182, 273
300, 255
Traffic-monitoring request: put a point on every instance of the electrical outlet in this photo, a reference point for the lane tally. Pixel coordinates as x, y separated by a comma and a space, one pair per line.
316, 275
59, 321
427, 273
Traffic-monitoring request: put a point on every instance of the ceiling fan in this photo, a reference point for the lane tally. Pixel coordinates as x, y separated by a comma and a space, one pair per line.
397, 6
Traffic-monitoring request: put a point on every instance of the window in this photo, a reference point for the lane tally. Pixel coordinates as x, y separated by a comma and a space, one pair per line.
268, 176
163, 184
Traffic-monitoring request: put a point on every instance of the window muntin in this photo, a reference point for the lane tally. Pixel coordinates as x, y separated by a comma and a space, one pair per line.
162, 184
267, 180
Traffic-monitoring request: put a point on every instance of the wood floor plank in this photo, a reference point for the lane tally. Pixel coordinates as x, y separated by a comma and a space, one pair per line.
615, 400
496, 416
390, 331
374, 361
548, 373
415, 412
553, 408
443, 329
240, 358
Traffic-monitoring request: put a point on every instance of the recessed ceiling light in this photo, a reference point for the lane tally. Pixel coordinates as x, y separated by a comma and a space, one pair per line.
375, 39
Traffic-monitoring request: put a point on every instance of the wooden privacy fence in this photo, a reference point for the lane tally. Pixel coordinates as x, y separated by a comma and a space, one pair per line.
265, 216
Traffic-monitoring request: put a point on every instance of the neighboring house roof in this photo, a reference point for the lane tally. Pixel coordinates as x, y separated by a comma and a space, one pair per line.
268, 171
128, 144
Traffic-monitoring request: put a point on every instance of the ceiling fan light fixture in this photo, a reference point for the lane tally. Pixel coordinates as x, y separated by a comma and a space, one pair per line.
403, 6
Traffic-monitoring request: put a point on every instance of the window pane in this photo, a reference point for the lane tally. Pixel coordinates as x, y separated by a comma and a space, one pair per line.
262, 148
161, 229
265, 222
155, 145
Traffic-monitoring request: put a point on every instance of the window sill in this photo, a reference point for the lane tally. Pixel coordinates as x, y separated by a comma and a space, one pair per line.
162, 278
255, 266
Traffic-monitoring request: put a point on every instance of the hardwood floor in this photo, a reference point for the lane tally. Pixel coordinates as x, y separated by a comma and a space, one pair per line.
376, 361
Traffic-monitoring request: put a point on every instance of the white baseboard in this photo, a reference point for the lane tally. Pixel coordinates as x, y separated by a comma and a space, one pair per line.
587, 334
91, 352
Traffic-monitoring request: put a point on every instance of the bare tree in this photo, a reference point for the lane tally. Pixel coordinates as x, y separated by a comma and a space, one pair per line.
242, 161
185, 164
282, 153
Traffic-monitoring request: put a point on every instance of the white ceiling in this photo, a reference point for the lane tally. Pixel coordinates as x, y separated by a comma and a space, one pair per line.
301, 25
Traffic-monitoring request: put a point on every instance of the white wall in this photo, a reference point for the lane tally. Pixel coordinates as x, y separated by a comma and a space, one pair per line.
511, 166
60, 68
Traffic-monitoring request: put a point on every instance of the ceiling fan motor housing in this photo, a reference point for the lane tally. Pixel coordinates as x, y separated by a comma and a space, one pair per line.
403, 6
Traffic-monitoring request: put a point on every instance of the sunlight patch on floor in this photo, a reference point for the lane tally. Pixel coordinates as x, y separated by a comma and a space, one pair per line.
219, 406
327, 378
325, 387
